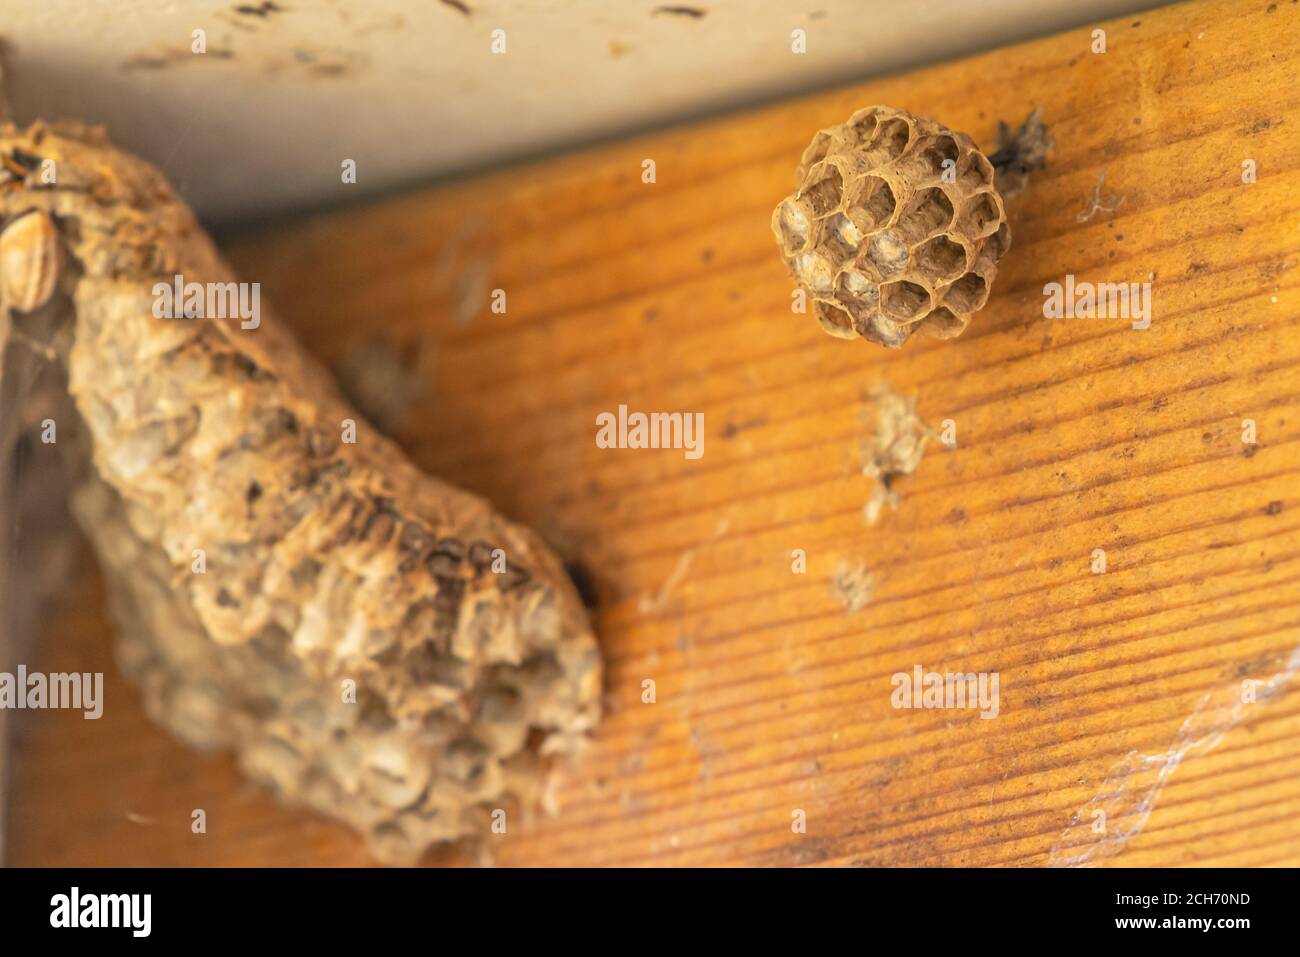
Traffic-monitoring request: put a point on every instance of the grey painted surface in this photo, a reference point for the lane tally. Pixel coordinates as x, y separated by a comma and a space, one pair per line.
411, 90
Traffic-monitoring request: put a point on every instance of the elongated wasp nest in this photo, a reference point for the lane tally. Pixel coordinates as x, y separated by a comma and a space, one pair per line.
895, 227
370, 641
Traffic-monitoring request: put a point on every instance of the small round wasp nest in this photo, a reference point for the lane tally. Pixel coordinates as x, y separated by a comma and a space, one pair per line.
895, 227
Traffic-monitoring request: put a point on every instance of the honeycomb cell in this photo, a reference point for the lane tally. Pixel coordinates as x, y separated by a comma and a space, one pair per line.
942, 324
818, 148
888, 253
834, 320
844, 231
942, 258
858, 289
863, 124
999, 243
931, 211
904, 301
978, 172
981, 217
892, 137
842, 237
793, 225
940, 150
815, 272
825, 193
895, 227
967, 294
878, 201
878, 328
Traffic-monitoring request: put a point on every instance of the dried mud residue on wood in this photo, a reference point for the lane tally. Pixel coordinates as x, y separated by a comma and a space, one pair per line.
853, 586
892, 447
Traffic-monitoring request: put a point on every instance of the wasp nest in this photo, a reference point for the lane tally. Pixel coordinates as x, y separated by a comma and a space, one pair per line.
895, 227
370, 641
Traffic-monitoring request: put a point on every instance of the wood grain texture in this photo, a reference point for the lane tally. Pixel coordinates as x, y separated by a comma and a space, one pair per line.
1072, 435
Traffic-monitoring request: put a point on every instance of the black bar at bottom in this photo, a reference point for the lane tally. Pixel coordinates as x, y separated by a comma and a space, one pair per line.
549, 908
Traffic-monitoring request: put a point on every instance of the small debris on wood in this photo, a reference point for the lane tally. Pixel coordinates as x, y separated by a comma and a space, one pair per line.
895, 447
463, 271
1021, 153
853, 586
707, 751
694, 13
461, 8
1098, 203
471, 292
261, 11
659, 602
651, 606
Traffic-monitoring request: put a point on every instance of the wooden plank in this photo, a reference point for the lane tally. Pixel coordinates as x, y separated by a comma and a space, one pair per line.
1117, 689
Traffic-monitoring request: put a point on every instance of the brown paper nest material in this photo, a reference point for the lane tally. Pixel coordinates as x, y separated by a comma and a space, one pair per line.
895, 227
349, 631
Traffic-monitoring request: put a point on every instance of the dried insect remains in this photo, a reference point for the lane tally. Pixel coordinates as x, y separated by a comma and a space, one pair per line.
30, 260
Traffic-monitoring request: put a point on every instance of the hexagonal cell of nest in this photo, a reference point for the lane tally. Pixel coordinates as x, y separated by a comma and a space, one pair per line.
982, 215
942, 323
876, 200
817, 150
842, 236
825, 190
792, 224
888, 252
929, 212
815, 272
905, 302
834, 320
889, 140
942, 259
895, 227
860, 291
967, 295
940, 154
